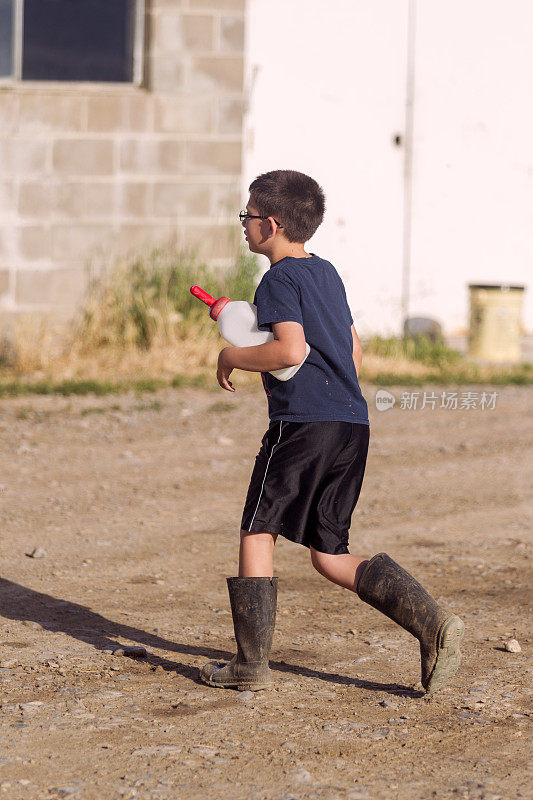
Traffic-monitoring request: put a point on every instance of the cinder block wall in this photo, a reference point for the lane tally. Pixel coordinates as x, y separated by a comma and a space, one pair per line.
92, 170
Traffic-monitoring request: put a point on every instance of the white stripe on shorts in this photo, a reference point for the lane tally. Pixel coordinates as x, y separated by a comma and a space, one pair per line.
264, 477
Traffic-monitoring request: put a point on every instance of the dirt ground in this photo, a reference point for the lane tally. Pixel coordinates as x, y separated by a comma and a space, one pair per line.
137, 503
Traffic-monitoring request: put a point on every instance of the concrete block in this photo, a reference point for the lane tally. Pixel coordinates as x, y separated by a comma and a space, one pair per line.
216, 74
135, 238
230, 115
22, 156
134, 199
51, 112
4, 282
210, 241
9, 104
50, 287
139, 111
104, 200
36, 199
100, 199
106, 113
174, 30
83, 156
226, 200
7, 198
46, 198
165, 73
217, 5
152, 157
70, 200
181, 200
197, 32
80, 242
232, 34
184, 115
8, 242
33, 243
165, 32
217, 158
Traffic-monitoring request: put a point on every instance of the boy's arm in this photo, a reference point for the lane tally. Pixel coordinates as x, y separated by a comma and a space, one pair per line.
285, 350
357, 351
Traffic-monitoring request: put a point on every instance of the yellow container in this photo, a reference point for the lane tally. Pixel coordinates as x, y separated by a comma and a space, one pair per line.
495, 323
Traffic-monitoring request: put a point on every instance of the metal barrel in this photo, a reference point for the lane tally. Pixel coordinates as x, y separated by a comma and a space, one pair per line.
495, 333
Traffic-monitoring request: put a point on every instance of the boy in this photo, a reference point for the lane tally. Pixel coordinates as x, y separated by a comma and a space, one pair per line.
309, 470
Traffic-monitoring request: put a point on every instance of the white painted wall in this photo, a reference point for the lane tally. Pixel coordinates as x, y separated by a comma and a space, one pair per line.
327, 93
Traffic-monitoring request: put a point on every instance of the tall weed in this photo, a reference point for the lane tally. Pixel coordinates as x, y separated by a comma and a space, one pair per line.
146, 301
139, 319
434, 353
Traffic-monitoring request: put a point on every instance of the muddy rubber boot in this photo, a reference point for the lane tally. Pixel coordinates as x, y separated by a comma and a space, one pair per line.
253, 606
393, 591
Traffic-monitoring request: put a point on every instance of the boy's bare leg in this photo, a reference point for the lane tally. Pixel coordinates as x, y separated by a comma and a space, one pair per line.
343, 569
255, 555
385, 585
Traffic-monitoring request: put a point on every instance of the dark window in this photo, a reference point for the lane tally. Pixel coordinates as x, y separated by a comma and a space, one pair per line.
72, 40
78, 40
6, 37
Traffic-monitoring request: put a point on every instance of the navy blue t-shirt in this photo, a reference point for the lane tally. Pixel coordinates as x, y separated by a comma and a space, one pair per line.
310, 291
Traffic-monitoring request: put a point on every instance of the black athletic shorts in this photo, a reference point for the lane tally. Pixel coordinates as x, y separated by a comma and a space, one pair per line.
306, 481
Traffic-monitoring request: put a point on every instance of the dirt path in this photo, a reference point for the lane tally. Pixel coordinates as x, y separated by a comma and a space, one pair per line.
137, 504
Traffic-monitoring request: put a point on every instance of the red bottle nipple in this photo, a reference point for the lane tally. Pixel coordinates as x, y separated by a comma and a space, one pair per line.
216, 306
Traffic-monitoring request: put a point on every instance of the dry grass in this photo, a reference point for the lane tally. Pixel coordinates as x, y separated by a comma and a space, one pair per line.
40, 349
141, 324
139, 320
43, 356
374, 364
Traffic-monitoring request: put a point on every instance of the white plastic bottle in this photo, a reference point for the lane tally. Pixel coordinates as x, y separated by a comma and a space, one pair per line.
237, 323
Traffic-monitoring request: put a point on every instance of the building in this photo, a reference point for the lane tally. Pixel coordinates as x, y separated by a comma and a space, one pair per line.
124, 127
416, 116
120, 127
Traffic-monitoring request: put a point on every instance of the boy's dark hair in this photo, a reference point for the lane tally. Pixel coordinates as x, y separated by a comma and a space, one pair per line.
293, 198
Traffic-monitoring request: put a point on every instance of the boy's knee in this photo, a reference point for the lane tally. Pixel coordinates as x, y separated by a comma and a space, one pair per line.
319, 560
258, 539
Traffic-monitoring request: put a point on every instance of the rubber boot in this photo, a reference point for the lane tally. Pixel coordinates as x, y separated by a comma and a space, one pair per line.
393, 591
253, 606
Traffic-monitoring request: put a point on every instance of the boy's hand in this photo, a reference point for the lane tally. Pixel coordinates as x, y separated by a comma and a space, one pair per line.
224, 370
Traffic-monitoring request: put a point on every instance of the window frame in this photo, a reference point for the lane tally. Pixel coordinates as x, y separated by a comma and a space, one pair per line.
17, 52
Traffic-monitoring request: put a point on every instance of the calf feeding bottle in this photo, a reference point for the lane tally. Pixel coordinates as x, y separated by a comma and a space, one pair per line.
237, 323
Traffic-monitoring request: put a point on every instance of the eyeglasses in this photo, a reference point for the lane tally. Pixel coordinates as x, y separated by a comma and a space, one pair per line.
244, 215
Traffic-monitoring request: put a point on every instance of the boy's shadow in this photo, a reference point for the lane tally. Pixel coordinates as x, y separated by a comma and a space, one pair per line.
23, 604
